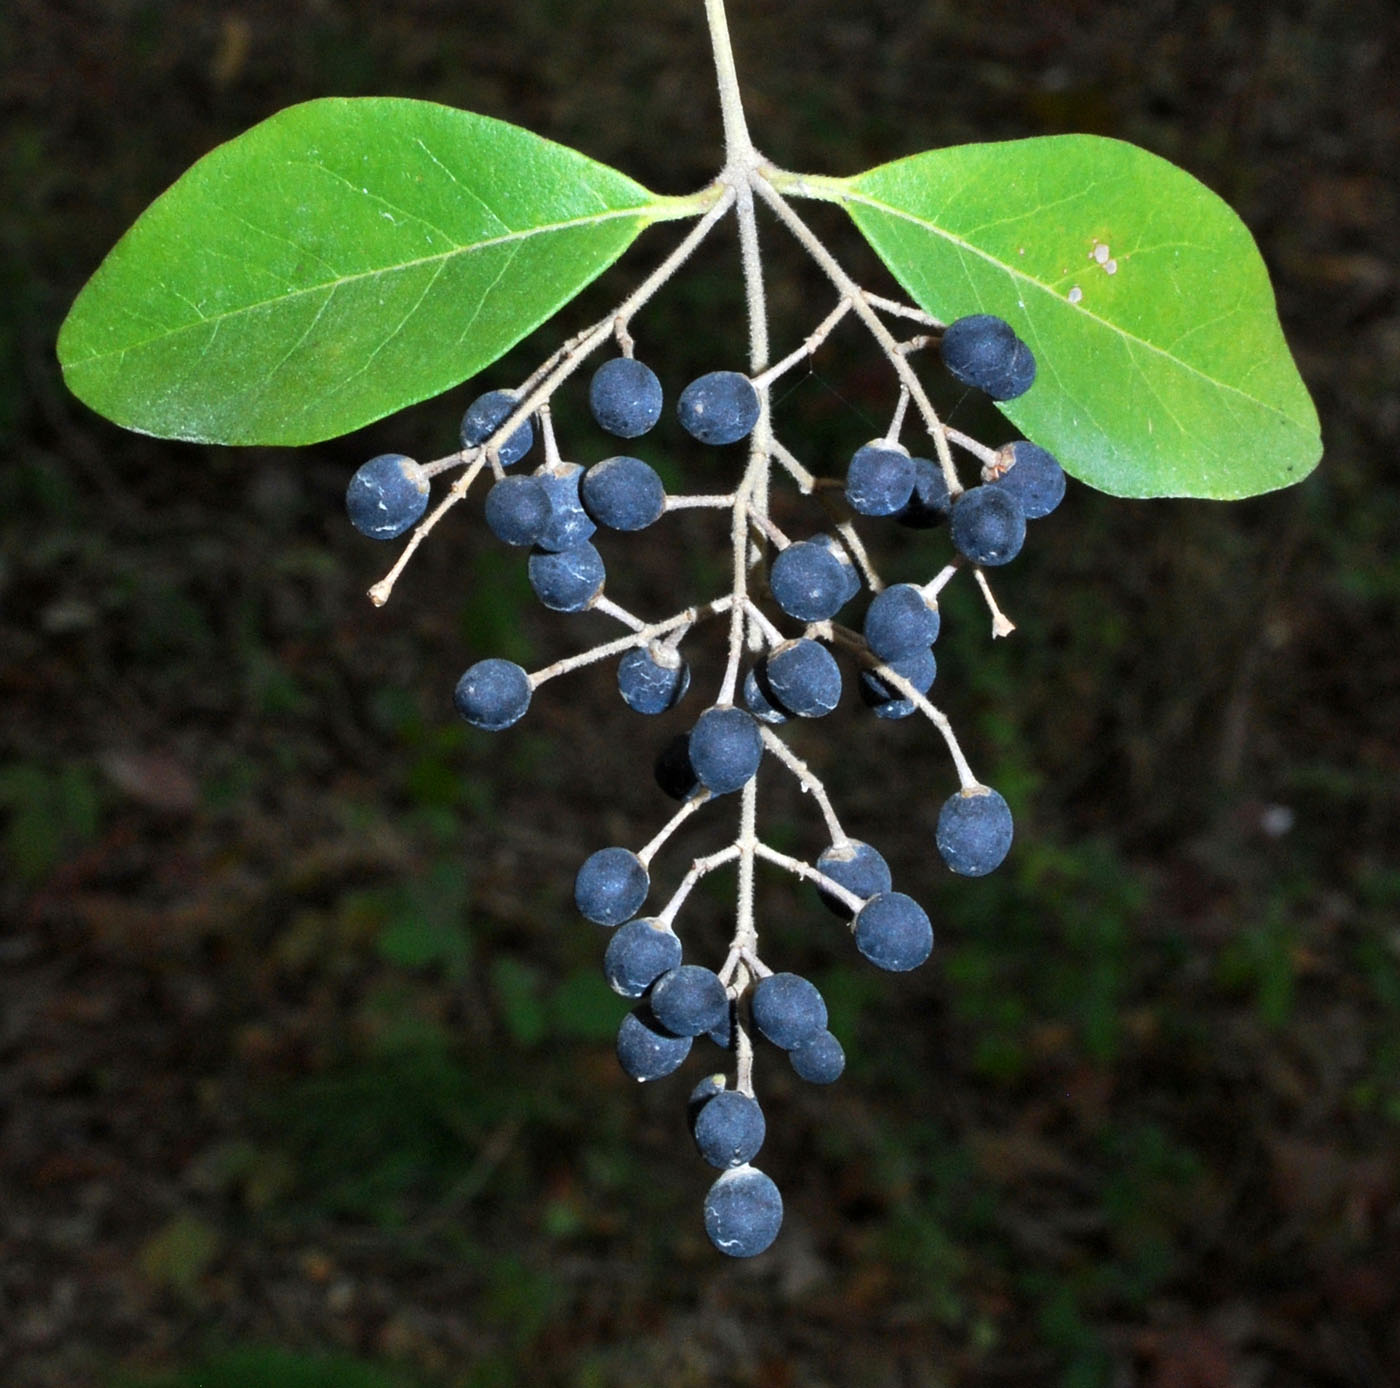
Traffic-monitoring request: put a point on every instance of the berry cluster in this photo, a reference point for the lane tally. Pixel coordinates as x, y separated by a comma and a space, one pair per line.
560, 509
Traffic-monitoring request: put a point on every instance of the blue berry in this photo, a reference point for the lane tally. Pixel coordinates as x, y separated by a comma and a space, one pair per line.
820, 1060
486, 414
900, 621
611, 886
850, 579
625, 397
760, 700
1033, 476
387, 496
517, 509
880, 479
808, 581
857, 867
646, 1050
623, 493
568, 524
638, 953
729, 1129
673, 771
930, 503
803, 677
974, 831
721, 407
988, 525
788, 1009
701, 1095
493, 694
649, 685
893, 932
568, 581
689, 1000
725, 749
920, 669
743, 1212
722, 1034
982, 351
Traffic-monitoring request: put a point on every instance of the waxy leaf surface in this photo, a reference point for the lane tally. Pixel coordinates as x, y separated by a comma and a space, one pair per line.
1163, 370
338, 261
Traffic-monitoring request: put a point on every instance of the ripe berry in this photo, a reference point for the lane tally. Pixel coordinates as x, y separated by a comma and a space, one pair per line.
760, 700
723, 1034
974, 831
517, 509
929, 502
1032, 475
387, 496
743, 1212
623, 493
788, 1009
701, 1095
638, 954
645, 1049
900, 621
650, 685
625, 397
689, 1000
988, 525
721, 407
820, 1060
486, 414
493, 694
982, 351
880, 479
803, 677
568, 581
729, 1129
850, 579
808, 581
725, 749
920, 669
568, 525
857, 867
893, 932
673, 771
611, 886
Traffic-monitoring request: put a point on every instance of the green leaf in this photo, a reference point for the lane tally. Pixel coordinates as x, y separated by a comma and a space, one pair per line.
1163, 370
341, 260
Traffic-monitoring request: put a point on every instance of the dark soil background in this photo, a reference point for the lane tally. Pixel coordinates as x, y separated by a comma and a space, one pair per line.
305, 1071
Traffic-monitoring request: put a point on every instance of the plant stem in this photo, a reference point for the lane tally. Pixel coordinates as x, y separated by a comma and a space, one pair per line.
737, 144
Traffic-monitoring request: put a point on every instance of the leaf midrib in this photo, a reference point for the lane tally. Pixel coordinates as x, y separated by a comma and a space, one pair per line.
1018, 274
333, 285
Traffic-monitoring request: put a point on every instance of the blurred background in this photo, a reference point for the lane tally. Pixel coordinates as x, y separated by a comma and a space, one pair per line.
306, 1071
